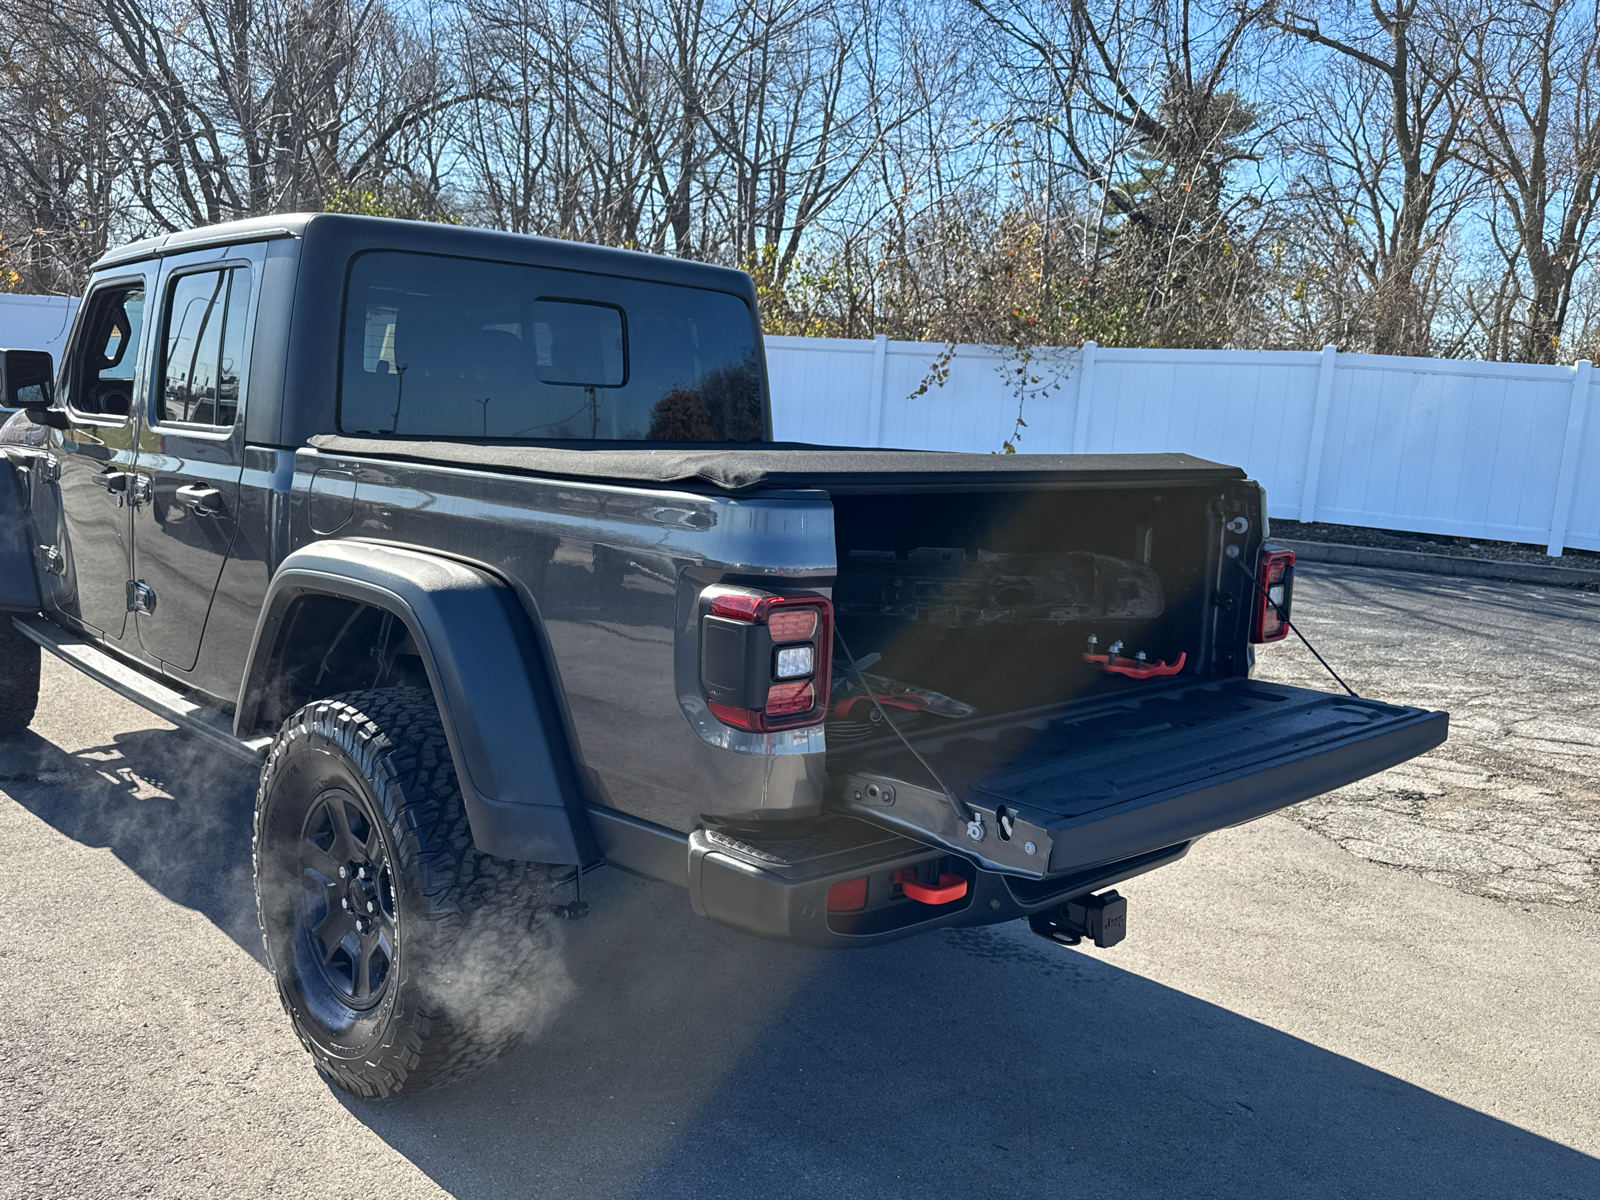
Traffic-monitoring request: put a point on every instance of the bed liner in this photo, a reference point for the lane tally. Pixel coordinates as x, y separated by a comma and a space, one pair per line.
746, 467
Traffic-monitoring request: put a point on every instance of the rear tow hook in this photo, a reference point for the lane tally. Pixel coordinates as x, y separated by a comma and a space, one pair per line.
950, 887
1103, 919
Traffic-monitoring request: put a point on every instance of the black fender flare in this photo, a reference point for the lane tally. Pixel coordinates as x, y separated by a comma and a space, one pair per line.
502, 716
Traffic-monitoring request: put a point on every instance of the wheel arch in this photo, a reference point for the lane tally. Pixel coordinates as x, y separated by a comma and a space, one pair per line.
484, 662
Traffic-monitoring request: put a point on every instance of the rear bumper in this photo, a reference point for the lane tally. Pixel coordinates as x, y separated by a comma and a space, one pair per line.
779, 889
789, 902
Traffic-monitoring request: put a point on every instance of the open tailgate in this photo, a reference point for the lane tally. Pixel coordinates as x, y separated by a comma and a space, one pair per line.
1123, 775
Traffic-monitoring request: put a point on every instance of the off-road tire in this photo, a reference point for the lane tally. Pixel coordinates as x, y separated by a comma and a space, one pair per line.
19, 678
471, 951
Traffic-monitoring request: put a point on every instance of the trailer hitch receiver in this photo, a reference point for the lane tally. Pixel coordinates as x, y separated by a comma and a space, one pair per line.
1103, 919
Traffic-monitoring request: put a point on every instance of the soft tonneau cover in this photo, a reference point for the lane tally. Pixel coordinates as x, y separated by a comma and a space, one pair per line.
744, 467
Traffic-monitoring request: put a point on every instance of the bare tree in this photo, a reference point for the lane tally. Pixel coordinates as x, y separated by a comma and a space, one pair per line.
64, 156
1143, 100
1394, 176
1534, 132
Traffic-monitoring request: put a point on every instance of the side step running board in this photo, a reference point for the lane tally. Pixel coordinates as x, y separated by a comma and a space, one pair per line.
207, 724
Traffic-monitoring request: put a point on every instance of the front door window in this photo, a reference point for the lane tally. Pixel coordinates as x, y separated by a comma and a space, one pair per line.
102, 379
97, 486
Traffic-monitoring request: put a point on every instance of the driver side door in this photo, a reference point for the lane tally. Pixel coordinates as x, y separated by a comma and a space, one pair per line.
105, 370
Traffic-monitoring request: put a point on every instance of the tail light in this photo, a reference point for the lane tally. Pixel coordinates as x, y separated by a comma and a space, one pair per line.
765, 659
1276, 578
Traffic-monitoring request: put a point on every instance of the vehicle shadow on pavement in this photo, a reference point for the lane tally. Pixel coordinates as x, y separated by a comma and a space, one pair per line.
173, 810
696, 1062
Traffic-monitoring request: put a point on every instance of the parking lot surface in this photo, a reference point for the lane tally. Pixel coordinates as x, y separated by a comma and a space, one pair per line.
1510, 807
1391, 991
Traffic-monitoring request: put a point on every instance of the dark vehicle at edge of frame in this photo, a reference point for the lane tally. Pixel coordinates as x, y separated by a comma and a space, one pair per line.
481, 548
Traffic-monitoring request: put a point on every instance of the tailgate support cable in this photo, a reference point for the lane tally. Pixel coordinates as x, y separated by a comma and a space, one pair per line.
963, 813
1284, 617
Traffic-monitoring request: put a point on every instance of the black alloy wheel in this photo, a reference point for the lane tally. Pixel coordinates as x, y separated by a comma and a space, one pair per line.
347, 913
405, 958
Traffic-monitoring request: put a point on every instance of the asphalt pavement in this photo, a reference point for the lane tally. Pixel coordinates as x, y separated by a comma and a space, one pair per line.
1390, 992
1509, 808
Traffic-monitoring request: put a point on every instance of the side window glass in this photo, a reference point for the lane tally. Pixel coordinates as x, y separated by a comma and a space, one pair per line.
204, 349
108, 352
233, 346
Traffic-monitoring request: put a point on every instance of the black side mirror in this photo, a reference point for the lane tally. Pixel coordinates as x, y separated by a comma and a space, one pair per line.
27, 379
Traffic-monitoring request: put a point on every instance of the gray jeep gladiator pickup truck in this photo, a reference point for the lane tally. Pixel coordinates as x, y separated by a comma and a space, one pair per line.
481, 547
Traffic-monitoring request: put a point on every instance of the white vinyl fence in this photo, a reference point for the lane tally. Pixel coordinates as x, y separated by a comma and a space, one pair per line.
1500, 451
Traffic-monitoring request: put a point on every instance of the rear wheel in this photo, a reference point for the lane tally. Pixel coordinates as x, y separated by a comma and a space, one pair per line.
405, 958
19, 678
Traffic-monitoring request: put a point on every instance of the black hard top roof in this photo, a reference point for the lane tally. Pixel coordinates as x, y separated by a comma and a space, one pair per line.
366, 233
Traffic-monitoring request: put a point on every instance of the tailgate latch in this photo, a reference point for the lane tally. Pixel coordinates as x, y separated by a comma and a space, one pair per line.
1103, 919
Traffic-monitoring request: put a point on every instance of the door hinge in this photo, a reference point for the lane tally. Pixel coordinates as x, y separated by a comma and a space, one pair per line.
48, 466
51, 559
140, 488
141, 597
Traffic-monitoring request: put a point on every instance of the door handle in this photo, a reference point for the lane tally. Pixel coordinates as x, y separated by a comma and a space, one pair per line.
203, 501
113, 481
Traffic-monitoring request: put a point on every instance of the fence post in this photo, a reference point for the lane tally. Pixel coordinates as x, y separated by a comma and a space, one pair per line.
1312, 479
1080, 416
880, 346
1561, 514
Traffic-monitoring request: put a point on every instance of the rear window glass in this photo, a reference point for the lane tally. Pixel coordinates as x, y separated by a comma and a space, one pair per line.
204, 348
446, 347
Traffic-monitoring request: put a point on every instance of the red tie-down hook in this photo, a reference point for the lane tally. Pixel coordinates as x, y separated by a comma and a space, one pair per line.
950, 887
1133, 668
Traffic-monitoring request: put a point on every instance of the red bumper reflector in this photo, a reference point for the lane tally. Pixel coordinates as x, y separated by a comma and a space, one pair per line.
850, 896
951, 887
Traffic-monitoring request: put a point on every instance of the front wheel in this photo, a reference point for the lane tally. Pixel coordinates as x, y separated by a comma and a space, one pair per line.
405, 958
